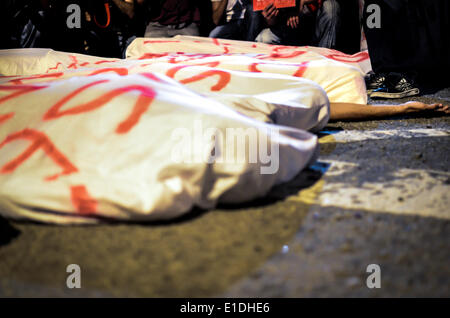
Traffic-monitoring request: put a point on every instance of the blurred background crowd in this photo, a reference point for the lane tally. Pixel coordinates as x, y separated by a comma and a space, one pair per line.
408, 40
106, 27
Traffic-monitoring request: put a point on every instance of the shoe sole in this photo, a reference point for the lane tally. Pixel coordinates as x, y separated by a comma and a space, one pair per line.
371, 90
411, 92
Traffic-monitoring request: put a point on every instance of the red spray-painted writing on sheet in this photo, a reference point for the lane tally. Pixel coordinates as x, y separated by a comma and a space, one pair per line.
145, 98
82, 200
38, 141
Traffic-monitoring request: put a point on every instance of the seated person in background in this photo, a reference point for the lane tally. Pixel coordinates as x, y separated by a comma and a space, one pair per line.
105, 28
176, 17
311, 22
126, 23
235, 20
228, 15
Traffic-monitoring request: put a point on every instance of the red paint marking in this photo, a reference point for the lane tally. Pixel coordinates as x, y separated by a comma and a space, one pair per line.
341, 57
82, 201
55, 67
159, 41
224, 79
286, 55
210, 64
74, 63
277, 48
226, 50
6, 117
104, 61
146, 96
118, 70
18, 81
152, 55
171, 72
301, 69
152, 76
173, 59
253, 67
53, 112
141, 106
21, 90
276, 52
215, 41
38, 140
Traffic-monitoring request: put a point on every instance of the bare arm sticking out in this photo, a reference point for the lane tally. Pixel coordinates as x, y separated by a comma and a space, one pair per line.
348, 111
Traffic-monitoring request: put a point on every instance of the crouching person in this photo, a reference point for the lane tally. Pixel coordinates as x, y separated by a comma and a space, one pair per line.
310, 22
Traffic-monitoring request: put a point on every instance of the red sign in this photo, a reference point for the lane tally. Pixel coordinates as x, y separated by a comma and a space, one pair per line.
261, 4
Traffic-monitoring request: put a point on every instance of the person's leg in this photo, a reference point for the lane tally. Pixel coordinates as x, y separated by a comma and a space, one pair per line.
390, 46
156, 30
327, 24
229, 30
127, 43
411, 39
191, 30
268, 37
254, 23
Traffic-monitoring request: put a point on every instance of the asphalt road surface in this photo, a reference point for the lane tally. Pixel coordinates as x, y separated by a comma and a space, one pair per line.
378, 194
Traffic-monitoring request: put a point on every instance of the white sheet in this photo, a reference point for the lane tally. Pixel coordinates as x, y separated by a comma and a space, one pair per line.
86, 138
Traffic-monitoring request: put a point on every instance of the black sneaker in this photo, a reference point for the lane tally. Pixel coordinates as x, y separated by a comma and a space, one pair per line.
396, 86
374, 81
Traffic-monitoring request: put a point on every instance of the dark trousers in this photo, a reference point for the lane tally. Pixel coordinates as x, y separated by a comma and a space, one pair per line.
246, 29
413, 38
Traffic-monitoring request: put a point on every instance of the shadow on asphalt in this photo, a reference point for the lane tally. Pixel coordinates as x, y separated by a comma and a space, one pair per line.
305, 179
7, 232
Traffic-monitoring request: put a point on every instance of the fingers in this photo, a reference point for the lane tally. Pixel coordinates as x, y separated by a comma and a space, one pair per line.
294, 22
268, 7
273, 14
438, 107
422, 107
442, 108
270, 11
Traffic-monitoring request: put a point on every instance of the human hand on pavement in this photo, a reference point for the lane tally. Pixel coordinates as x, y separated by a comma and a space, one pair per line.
413, 107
